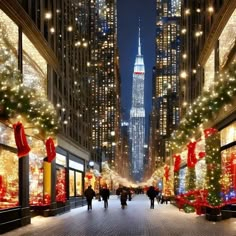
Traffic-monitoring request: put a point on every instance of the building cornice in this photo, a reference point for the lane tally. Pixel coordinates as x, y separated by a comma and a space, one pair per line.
14, 10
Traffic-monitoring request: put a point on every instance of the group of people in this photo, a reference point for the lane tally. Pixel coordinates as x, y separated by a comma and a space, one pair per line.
153, 193
124, 195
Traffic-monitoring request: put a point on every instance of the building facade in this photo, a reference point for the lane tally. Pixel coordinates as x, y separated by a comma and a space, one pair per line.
137, 117
208, 36
165, 98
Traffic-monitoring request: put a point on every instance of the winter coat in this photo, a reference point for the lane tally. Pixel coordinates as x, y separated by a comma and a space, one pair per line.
151, 192
105, 193
89, 193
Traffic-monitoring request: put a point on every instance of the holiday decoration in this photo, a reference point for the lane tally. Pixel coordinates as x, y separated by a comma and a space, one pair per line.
16, 98
213, 163
206, 106
21, 141
192, 160
177, 162
167, 172
61, 186
50, 148
233, 169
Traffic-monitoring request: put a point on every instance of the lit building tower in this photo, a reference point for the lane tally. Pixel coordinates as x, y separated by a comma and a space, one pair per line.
165, 101
137, 117
105, 80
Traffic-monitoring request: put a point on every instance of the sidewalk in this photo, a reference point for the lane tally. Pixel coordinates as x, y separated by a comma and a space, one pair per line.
136, 220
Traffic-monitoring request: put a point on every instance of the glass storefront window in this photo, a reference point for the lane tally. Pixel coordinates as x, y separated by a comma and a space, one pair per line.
228, 134
8, 34
35, 179
227, 39
228, 178
34, 67
72, 183
78, 184
9, 179
61, 185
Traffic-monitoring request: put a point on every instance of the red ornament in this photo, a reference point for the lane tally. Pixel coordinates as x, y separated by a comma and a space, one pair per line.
192, 160
177, 163
208, 132
21, 141
201, 154
50, 148
89, 176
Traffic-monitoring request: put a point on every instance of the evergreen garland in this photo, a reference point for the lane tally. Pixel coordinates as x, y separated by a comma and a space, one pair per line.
206, 106
17, 99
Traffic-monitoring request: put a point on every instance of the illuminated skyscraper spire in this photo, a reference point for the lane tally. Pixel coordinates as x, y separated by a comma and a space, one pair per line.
137, 116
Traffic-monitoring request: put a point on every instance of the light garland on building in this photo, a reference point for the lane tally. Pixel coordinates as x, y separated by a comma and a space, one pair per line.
15, 98
206, 106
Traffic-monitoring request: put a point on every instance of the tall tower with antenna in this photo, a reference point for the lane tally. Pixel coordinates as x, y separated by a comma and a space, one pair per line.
137, 117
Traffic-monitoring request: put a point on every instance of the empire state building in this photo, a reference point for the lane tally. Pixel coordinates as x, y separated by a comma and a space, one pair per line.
137, 117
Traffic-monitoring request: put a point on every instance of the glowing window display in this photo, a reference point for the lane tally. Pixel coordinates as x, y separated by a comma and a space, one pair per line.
182, 174
9, 179
78, 184
8, 34
228, 134
72, 183
61, 185
35, 179
9, 165
34, 67
228, 161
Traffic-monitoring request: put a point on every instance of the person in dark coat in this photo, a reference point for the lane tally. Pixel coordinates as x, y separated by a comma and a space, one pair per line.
89, 194
151, 194
123, 198
105, 193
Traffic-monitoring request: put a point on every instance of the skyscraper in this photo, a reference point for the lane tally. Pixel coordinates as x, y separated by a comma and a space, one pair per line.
137, 117
105, 83
165, 102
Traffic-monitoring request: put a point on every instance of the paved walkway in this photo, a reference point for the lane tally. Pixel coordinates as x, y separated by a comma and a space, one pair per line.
136, 220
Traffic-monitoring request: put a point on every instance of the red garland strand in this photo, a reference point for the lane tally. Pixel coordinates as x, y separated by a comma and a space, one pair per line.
177, 162
166, 174
192, 160
208, 132
20, 139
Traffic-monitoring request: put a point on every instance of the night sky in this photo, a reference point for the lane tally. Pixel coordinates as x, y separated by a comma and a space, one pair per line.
129, 12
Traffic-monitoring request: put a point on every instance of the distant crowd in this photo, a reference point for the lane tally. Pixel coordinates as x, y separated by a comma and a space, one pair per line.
126, 193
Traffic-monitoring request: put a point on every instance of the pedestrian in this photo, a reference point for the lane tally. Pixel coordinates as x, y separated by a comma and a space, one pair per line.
123, 198
105, 193
151, 194
89, 194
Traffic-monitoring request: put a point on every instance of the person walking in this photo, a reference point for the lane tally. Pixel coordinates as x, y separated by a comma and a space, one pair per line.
105, 193
123, 198
151, 194
89, 194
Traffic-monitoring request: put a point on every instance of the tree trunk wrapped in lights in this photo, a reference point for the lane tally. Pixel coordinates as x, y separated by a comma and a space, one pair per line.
213, 162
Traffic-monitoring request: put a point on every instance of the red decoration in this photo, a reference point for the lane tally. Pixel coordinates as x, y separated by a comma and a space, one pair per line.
192, 160
177, 163
208, 132
20, 139
50, 148
89, 176
61, 186
201, 154
233, 169
166, 174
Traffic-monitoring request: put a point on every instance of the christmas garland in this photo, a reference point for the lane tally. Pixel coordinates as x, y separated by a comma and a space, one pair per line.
206, 106
17, 99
